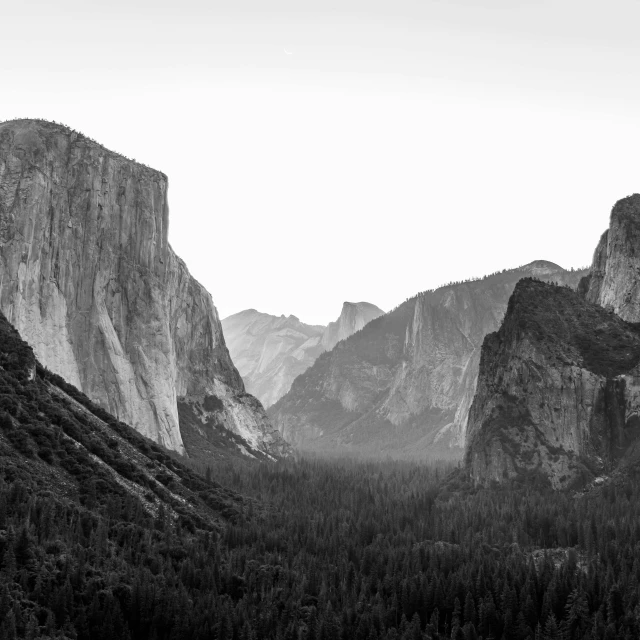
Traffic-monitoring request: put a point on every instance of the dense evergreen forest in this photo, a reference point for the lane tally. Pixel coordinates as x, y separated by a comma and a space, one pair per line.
104, 536
342, 550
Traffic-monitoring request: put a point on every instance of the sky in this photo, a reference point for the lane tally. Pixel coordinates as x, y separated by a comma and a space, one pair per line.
319, 152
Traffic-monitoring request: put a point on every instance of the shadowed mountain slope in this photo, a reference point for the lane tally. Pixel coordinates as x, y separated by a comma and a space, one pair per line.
58, 441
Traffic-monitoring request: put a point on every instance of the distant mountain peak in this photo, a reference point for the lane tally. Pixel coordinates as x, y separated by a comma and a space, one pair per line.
271, 351
548, 266
354, 316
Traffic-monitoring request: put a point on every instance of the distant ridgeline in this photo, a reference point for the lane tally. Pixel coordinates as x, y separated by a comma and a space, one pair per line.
558, 395
537, 267
403, 385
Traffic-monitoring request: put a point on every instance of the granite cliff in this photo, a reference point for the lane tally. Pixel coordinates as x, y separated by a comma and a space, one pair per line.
271, 351
559, 387
403, 385
88, 278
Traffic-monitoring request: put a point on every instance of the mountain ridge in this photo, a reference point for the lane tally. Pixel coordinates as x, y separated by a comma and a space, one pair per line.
403, 385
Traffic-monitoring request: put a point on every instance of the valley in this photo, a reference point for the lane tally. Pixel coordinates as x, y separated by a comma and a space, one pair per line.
464, 466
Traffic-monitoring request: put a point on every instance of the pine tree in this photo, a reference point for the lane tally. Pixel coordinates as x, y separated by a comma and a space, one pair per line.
469, 609
551, 629
577, 615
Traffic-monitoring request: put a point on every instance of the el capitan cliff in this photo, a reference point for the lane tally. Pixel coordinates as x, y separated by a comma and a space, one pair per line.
88, 278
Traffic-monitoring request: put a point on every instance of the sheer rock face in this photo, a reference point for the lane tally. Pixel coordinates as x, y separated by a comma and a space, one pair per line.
615, 274
403, 385
354, 316
558, 392
88, 278
270, 351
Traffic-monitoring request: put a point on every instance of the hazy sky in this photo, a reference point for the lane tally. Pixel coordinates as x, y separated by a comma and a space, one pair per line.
397, 146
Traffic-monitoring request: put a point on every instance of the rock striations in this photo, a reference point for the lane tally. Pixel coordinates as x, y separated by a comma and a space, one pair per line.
403, 385
559, 386
271, 351
88, 278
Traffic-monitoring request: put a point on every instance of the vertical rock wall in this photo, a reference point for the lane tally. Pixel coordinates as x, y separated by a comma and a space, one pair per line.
88, 278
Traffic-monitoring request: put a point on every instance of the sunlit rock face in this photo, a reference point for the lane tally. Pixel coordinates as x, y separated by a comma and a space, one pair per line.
403, 385
88, 278
271, 351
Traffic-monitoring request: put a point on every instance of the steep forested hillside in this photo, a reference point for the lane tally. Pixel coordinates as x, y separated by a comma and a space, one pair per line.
103, 536
89, 509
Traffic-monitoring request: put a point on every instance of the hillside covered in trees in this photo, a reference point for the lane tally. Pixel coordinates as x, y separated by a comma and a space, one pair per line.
104, 536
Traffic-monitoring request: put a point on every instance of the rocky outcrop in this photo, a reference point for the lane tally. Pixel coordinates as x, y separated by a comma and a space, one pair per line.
353, 317
558, 394
403, 385
270, 351
614, 280
88, 278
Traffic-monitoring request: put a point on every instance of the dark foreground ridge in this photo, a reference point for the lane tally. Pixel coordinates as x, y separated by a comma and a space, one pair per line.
558, 396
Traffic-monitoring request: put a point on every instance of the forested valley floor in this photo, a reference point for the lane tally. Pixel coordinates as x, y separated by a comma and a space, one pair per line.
327, 550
